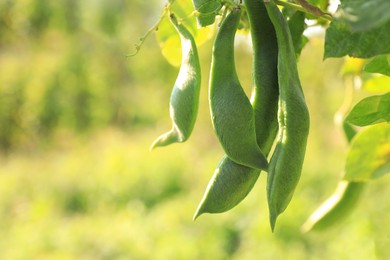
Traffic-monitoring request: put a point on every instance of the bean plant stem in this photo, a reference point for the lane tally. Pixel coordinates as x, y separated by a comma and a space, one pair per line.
300, 8
153, 28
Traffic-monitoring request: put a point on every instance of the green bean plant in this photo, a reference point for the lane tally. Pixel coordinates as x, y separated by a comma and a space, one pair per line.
274, 122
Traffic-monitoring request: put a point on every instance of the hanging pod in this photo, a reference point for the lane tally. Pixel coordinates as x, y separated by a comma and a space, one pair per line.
293, 116
341, 203
231, 112
265, 74
337, 207
184, 99
229, 185
231, 182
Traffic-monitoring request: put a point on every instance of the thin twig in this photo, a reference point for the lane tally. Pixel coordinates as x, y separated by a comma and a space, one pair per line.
152, 29
325, 16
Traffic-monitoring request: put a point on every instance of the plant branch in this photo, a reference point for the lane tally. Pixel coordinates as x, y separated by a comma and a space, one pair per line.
152, 29
306, 9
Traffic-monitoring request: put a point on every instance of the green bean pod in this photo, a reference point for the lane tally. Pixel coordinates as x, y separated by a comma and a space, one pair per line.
337, 207
293, 116
231, 182
229, 185
341, 203
231, 111
265, 93
184, 101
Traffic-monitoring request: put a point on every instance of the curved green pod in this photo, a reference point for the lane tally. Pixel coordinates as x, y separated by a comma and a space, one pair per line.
184, 101
341, 203
336, 207
231, 182
229, 185
294, 122
231, 111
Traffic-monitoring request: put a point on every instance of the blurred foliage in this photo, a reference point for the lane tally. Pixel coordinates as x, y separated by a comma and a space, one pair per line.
96, 192
63, 65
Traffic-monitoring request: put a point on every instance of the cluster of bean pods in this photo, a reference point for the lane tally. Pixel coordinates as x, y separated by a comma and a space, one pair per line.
247, 130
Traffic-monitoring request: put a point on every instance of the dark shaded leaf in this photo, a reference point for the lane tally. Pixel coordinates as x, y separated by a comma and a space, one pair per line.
297, 26
363, 15
207, 10
341, 41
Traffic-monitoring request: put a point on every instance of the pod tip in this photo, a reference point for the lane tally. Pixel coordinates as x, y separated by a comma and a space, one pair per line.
306, 227
166, 139
199, 211
154, 144
272, 219
196, 215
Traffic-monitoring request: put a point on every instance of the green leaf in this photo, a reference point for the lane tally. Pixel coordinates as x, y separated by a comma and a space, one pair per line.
169, 39
371, 110
379, 64
297, 26
207, 10
322, 4
341, 41
169, 42
352, 66
369, 155
349, 131
377, 84
363, 15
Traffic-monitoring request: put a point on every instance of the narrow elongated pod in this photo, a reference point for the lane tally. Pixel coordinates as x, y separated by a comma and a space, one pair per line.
337, 207
184, 100
231, 182
231, 112
265, 74
341, 203
293, 116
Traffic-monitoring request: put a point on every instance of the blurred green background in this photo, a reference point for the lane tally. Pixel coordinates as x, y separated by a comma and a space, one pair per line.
77, 117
